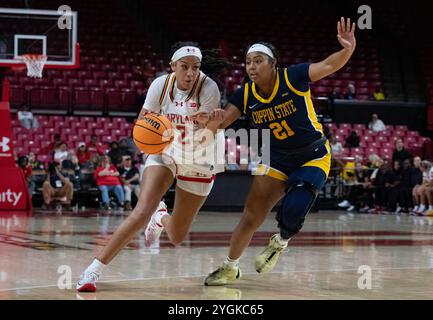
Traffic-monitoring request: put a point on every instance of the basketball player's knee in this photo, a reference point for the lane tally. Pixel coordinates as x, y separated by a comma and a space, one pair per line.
294, 207
251, 220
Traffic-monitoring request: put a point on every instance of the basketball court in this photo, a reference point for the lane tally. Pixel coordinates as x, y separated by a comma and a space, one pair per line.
336, 256
323, 262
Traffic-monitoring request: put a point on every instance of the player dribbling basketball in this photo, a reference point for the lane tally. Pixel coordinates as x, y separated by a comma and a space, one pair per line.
179, 96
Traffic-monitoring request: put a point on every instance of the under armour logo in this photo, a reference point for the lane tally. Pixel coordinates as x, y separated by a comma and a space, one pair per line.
4, 144
190, 49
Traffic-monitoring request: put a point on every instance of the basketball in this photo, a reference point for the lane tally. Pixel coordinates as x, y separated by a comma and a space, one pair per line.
153, 133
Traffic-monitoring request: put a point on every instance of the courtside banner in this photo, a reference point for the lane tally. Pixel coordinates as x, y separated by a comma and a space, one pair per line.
6, 148
14, 194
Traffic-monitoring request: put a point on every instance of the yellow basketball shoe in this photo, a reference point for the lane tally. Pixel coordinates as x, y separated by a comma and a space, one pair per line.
266, 261
223, 275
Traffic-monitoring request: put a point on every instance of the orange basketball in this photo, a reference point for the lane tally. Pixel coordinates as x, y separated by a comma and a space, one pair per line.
153, 133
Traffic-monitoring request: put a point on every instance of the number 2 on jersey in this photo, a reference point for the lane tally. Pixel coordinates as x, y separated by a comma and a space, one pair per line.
281, 131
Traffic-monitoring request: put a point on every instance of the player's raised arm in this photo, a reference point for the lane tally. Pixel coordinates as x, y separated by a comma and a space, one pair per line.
333, 63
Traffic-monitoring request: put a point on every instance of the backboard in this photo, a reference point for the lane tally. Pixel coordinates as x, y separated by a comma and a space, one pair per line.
48, 32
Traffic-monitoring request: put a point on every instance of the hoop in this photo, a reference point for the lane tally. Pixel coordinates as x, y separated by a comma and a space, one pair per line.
35, 64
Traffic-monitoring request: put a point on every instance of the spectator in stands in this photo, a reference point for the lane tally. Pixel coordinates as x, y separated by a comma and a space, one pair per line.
393, 187
108, 179
352, 141
56, 187
378, 94
350, 92
378, 179
83, 155
61, 153
127, 147
376, 124
93, 147
336, 147
359, 198
71, 169
115, 153
53, 146
26, 118
334, 94
36, 165
405, 196
23, 163
130, 177
400, 153
3, 49
417, 181
420, 200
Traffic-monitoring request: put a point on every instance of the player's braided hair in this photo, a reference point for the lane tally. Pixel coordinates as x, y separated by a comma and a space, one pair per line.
211, 64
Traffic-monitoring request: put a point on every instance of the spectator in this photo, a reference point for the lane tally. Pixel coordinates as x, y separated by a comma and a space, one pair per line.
417, 181
359, 198
61, 153
378, 94
350, 92
115, 153
393, 186
23, 163
378, 179
72, 170
36, 165
420, 200
130, 176
26, 118
352, 140
107, 179
334, 94
56, 186
83, 155
376, 124
94, 147
127, 148
405, 197
400, 153
53, 146
336, 147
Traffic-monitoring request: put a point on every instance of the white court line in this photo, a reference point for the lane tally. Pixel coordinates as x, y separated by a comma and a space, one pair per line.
250, 273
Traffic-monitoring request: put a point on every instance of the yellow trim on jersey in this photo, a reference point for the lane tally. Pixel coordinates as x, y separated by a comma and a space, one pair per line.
323, 163
312, 113
274, 92
299, 93
245, 97
270, 172
173, 80
164, 89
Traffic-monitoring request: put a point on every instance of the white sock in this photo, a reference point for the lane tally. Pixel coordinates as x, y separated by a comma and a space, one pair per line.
96, 267
430, 208
159, 215
282, 242
231, 263
421, 208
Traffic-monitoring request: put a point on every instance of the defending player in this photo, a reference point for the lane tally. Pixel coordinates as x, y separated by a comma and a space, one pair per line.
178, 95
279, 99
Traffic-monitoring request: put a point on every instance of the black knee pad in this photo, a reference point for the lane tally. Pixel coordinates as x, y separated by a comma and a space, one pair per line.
294, 207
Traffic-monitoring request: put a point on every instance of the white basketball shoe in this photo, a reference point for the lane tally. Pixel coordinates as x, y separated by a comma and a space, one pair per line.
87, 281
155, 227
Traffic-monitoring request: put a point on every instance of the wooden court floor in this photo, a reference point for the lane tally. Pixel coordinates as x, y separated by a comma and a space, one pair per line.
336, 256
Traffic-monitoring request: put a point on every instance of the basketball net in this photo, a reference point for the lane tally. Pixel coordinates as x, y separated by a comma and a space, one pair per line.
35, 64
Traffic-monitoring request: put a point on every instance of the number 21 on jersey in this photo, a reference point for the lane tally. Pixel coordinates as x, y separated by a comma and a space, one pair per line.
281, 130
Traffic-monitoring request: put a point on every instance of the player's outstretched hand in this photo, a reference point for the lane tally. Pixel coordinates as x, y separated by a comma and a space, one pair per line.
346, 34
